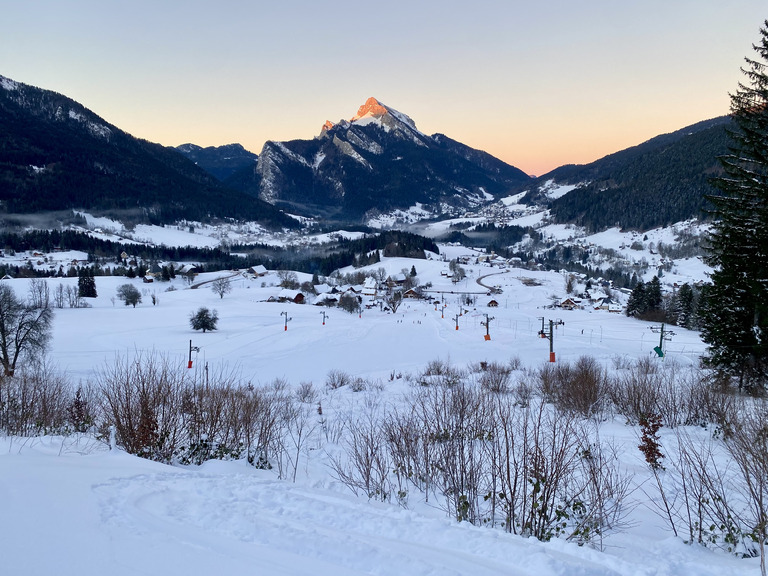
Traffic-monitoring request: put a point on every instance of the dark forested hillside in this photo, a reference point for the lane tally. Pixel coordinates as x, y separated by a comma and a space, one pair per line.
55, 154
659, 182
219, 161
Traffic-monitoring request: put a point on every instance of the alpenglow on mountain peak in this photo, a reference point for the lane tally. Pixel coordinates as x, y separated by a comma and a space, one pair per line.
373, 109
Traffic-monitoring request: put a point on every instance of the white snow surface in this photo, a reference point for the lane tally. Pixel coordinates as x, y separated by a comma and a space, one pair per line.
8, 84
554, 191
95, 129
413, 214
72, 507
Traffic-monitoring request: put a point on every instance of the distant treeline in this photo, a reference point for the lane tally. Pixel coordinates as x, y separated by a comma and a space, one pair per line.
102, 253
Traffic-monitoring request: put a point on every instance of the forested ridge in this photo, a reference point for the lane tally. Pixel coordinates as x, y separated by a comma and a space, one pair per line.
55, 155
660, 182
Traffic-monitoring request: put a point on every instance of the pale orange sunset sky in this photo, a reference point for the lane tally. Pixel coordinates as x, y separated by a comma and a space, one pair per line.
537, 84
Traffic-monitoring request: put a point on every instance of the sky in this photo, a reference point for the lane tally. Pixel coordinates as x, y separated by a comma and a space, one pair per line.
536, 84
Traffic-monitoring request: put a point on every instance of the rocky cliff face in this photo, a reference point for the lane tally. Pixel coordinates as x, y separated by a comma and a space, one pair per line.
378, 161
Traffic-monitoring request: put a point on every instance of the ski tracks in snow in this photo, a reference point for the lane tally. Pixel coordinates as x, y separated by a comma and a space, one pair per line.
293, 530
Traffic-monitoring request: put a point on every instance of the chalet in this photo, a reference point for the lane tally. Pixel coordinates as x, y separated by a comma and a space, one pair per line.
411, 293
493, 304
188, 269
327, 300
369, 287
286, 295
257, 271
396, 280
607, 304
570, 303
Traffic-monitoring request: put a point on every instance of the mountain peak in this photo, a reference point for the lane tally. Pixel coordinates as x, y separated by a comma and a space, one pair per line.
372, 108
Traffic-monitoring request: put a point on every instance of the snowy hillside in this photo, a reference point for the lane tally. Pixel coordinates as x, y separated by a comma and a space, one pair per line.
71, 506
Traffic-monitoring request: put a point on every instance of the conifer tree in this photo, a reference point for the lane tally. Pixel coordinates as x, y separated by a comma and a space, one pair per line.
684, 304
86, 283
653, 297
734, 308
636, 303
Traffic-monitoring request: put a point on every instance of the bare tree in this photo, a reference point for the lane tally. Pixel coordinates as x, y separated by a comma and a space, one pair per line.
73, 298
39, 295
288, 279
221, 286
24, 329
394, 300
59, 296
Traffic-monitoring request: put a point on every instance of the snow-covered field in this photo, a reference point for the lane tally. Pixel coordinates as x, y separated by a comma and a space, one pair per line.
71, 506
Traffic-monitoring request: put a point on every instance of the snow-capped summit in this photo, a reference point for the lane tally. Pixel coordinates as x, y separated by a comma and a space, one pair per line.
372, 107
377, 160
374, 110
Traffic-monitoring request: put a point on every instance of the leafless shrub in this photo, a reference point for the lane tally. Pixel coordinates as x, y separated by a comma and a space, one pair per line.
437, 367
141, 397
333, 430
405, 440
454, 422
337, 379
515, 363
606, 491
549, 377
306, 393
523, 392
297, 425
621, 362
358, 384
495, 378
748, 446
718, 404
377, 385
536, 457
367, 464
704, 509
34, 401
211, 418
486, 457
586, 390
259, 418
580, 387
439, 373
635, 393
